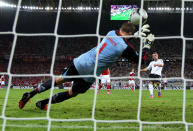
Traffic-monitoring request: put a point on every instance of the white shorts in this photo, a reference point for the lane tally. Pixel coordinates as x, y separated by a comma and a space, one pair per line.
105, 79
3, 83
131, 82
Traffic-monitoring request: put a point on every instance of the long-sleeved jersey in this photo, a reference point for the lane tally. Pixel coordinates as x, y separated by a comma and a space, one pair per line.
110, 50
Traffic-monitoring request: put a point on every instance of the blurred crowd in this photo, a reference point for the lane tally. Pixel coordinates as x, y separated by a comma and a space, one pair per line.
34, 56
28, 81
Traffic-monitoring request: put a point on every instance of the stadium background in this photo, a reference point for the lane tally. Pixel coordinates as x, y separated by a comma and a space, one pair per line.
33, 55
32, 51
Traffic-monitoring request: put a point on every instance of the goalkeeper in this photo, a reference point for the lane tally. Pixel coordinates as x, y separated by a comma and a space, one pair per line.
110, 50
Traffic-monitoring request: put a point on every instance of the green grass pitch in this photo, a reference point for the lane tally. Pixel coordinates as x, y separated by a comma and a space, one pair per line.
119, 105
122, 16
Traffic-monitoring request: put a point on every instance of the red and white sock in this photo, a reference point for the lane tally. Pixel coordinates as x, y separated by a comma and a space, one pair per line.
133, 88
100, 86
108, 89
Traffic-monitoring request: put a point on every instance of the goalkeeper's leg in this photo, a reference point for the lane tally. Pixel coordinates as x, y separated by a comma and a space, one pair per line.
57, 98
71, 70
43, 87
79, 86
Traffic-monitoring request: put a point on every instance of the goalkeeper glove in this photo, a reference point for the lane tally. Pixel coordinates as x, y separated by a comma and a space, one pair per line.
148, 41
144, 30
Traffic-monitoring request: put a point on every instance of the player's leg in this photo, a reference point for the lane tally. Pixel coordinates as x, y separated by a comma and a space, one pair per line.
165, 86
129, 84
100, 85
150, 85
41, 88
108, 81
159, 89
79, 86
71, 70
57, 98
2, 84
108, 88
133, 86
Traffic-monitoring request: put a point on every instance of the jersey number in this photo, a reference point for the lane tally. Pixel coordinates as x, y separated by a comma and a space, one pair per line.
102, 48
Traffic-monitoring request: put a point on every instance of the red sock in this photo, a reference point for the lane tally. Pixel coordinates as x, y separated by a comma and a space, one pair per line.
100, 86
108, 88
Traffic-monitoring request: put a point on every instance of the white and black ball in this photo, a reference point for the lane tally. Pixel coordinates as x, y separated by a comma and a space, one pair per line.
135, 16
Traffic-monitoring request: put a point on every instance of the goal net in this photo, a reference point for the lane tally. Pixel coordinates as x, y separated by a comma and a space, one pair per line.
122, 109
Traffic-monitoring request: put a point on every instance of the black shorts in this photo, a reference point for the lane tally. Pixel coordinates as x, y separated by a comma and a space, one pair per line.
79, 84
154, 76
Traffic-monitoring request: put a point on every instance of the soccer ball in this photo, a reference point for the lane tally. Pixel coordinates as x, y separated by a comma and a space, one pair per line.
135, 16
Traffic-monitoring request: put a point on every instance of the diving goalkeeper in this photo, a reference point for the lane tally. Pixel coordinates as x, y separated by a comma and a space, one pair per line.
110, 50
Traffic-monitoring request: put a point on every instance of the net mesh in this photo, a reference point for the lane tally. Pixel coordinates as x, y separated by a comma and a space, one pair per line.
92, 119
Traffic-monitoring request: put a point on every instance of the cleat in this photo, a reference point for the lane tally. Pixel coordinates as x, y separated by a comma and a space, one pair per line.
151, 96
41, 106
25, 98
159, 95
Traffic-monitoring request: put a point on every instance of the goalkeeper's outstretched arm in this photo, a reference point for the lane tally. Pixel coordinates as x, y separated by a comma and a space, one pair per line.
131, 54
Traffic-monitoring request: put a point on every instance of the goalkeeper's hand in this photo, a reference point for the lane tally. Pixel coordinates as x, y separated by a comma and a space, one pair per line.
144, 30
151, 38
148, 41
